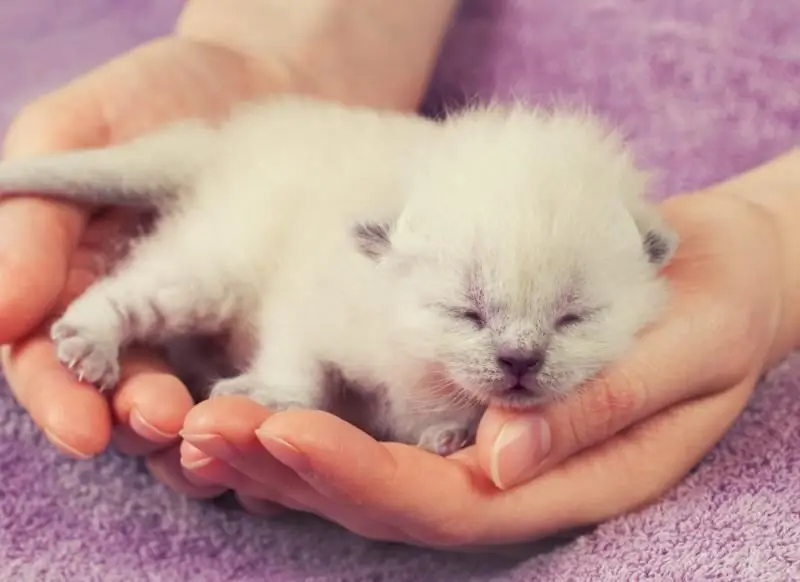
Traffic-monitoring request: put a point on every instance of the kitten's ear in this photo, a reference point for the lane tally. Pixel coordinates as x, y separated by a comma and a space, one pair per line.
660, 243
373, 238
659, 240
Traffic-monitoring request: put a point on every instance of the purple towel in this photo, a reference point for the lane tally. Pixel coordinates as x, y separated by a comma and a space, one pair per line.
706, 89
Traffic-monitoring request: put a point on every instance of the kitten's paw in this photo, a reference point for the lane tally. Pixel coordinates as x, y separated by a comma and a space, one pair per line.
256, 390
238, 385
445, 438
91, 358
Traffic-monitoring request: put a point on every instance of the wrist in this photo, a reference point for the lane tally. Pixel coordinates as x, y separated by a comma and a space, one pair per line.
357, 51
774, 188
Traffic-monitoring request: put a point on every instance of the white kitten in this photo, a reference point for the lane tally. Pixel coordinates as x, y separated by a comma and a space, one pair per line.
505, 255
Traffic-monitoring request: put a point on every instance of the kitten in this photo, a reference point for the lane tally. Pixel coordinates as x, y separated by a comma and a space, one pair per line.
505, 255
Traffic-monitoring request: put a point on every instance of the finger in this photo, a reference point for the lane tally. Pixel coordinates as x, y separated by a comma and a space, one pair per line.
149, 404
73, 415
165, 466
225, 429
587, 489
38, 236
105, 241
401, 488
36, 240
444, 503
201, 469
665, 367
70, 117
258, 506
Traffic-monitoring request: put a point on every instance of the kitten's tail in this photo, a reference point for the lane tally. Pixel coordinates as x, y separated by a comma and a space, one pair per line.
154, 170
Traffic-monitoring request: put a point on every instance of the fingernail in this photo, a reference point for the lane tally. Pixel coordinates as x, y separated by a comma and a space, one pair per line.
64, 448
192, 457
519, 450
144, 429
212, 445
285, 452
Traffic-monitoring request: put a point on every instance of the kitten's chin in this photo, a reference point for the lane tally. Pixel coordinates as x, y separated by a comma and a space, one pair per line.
500, 394
519, 397
505, 398
511, 401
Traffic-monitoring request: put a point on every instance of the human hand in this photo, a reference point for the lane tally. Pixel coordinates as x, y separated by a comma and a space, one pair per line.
217, 57
53, 251
618, 444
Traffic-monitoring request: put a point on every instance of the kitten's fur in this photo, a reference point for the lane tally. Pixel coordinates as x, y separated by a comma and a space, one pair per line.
504, 255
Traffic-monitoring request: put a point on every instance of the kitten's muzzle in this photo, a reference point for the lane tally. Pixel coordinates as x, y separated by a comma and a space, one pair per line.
516, 396
518, 365
520, 368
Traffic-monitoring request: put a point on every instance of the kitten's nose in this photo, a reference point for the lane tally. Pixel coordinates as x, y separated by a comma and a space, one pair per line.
519, 363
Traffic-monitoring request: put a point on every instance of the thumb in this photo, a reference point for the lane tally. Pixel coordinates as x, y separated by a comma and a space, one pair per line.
669, 364
37, 237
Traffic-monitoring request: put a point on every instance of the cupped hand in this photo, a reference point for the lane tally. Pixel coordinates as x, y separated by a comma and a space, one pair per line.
618, 444
49, 252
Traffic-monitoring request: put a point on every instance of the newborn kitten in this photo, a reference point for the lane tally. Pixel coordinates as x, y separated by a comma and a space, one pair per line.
505, 255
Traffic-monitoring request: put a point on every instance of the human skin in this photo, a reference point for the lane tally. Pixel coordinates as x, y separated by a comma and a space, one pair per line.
354, 51
384, 490
618, 445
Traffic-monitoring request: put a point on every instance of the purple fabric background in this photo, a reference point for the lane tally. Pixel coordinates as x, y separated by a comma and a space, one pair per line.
705, 88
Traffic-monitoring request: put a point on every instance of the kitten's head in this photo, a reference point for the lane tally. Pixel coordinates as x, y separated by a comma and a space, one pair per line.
525, 260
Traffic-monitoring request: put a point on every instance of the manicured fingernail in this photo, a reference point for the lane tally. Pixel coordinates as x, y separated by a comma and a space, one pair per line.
285, 452
145, 429
65, 448
520, 448
212, 445
192, 457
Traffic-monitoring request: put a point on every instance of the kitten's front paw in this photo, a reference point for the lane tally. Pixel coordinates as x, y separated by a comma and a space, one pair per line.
89, 356
445, 438
255, 389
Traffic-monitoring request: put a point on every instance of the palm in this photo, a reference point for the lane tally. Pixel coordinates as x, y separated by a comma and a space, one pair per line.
154, 84
398, 492
157, 83
379, 490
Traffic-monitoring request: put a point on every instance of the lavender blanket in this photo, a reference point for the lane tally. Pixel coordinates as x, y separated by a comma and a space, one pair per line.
706, 88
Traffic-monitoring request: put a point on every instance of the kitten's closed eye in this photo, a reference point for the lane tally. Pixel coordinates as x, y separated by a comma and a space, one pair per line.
569, 319
470, 315
578, 317
474, 316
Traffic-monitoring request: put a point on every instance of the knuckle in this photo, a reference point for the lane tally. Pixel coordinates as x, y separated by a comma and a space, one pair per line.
605, 406
26, 121
43, 124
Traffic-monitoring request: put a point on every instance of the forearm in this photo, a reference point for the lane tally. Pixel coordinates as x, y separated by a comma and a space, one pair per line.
373, 52
775, 187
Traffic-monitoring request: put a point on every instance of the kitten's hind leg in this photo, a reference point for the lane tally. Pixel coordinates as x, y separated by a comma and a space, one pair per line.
284, 376
446, 438
155, 294
257, 390
441, 426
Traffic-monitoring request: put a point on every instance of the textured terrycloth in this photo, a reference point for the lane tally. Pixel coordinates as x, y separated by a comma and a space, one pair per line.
706, 89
